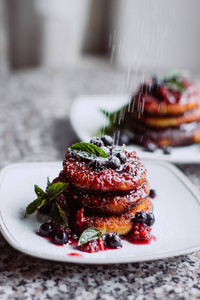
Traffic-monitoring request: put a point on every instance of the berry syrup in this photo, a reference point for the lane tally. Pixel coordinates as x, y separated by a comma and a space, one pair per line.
141, 235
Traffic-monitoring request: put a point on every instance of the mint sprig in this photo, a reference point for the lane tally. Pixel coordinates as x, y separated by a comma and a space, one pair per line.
88, 235
48, 197
115, 120
58, 215
172, 80
88, 150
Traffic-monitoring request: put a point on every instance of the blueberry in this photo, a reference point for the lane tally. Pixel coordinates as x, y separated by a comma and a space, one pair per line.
167, 150
114, 162
122, 156
104, 237
46, 229
60, 238
97, 164
156, 82
140, 217
150, 219
124, 139
113, 240
150, 147
152, 193
106, 150
97, 142
107, 140
45, 209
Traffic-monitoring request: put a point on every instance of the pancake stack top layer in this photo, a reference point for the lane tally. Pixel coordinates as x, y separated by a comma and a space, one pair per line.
104, 192
165, 112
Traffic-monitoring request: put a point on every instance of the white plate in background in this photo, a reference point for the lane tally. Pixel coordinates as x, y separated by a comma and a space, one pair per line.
176, 208
86, 119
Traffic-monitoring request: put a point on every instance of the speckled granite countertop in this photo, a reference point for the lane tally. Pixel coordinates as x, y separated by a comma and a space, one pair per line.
34, 126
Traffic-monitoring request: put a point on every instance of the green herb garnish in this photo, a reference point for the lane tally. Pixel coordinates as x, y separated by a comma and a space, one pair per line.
88, 150
172, 80
115, 120
88, 235
48, 197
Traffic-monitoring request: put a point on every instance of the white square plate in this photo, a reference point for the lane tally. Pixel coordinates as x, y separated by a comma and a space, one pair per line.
176, 208
86, 119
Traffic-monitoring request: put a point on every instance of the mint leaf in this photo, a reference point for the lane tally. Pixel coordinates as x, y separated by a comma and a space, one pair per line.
39, 192
169, 75
45, 198
89, 148
58, 215
115, 120
117, 116
32, 207
48, 184
89, 234
175, 85
172, 80
56, 189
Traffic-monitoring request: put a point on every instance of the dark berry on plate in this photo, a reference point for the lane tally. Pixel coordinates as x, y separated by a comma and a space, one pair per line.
60, 238
122, 156
167, 150
113, 240
45, 209
103, 237
152, 193
156, 82
107, 140
150, 219
106, 150
114, 162
46, 229
97, 141
98, 164
124, 139
150, 147
140, 217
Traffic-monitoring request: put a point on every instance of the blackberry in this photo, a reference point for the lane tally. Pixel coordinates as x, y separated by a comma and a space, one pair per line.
167, 150
60, 238
114, 163
152, 193
150, 219
124, 139
107, 140
140, 217
113, 240
45, 209
150, 147
46, 229
98, 164
106, 150
97, 141
122, 156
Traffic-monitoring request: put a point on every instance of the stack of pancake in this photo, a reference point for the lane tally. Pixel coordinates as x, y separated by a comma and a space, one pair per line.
165, 112
105, 198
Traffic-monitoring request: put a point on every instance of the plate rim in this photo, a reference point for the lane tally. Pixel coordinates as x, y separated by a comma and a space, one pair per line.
81, 260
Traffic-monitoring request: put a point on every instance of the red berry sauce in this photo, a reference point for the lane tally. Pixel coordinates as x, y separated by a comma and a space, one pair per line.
92, 246
141, 234
75, 254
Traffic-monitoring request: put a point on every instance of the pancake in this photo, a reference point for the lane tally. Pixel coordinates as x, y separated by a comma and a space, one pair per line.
79, 174
109, 202
186, 134
121, 224
165, 112
154, 103
169, 120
